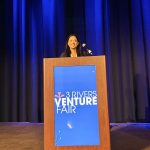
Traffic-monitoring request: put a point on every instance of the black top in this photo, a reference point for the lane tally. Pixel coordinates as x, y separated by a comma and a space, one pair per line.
79, 54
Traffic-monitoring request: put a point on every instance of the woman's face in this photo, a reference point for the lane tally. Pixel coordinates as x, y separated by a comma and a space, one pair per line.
73, 42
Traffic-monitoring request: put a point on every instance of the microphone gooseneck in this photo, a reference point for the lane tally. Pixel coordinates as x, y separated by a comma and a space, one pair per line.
85, 50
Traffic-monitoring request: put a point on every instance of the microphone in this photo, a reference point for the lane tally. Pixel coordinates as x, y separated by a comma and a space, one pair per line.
86, 50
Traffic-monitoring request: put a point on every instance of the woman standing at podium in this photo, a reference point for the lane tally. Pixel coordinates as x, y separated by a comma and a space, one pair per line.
73, 48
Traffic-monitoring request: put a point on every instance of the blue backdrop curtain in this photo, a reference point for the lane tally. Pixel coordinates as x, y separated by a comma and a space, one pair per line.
129, 33
32, 30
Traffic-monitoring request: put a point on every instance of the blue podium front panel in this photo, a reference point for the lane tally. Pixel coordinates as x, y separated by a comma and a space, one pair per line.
76, 106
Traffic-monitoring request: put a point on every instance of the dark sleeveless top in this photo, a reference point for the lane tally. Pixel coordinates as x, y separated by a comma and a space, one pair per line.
79, 54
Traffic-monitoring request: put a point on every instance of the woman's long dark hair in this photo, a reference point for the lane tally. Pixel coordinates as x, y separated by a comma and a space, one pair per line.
68, 51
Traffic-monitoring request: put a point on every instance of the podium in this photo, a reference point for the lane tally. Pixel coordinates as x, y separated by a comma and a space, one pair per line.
75, 104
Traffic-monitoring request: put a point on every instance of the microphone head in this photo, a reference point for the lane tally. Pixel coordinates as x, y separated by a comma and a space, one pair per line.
83, 45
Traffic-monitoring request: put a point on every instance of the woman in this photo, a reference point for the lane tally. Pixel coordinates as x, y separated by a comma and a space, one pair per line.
72, 47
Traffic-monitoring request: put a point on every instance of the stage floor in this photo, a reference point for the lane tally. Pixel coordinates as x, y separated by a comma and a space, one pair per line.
29, 136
